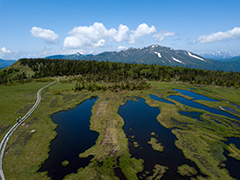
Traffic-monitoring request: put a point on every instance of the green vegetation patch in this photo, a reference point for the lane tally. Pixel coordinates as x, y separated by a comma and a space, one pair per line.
158, 172
153, 133
234, 151
156, 145
65, 163
195, 147
135, 144
186, 170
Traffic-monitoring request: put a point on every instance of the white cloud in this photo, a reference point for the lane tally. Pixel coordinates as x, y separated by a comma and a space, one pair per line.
47, 35
49, 52
4, 50
97, 35
121, 48
142, 30
92, 36
121, 35
162, 35
7, 53
214, 37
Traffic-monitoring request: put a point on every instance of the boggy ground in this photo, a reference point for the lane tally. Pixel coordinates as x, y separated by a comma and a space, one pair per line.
200, 141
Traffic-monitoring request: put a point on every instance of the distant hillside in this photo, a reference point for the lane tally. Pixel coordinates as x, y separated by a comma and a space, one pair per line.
155, 54
237, 58
229, 64
220, 56
6, 63
76, 56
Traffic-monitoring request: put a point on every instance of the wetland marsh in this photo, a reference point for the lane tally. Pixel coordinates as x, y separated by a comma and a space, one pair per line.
120, 128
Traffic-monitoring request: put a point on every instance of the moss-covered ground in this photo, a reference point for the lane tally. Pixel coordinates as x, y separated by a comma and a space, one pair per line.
200, 141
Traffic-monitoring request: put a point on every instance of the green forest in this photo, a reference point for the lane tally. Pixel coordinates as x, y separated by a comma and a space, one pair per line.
95, 71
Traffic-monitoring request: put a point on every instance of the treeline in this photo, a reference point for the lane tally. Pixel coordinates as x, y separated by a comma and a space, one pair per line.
120, 72
82, 84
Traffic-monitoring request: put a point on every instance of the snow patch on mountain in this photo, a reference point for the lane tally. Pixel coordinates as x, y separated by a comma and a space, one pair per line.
177, 60
154, 46
159, 55
196, 57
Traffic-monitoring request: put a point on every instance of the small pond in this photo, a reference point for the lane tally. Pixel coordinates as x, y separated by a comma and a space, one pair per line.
194, 115
73, 137
237, 106
160, 99
195, 96
235, 141
232, 165
196, 105
140, 121
232, 110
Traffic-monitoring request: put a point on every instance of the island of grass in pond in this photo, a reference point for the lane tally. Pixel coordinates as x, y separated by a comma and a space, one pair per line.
73, 138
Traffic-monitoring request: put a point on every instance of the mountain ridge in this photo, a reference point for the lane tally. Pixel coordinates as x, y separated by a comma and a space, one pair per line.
6, 63
156, 54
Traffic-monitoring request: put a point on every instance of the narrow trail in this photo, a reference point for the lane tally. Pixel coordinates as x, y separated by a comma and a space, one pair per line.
10, 132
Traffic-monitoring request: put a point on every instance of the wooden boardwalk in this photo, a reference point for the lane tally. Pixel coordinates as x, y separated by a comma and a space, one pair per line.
15, 126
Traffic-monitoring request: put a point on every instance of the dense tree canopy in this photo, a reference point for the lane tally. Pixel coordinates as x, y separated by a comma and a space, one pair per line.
118, 72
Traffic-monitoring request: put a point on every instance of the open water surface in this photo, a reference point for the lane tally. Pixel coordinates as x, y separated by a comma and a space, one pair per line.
160, 99
73, 137
194, 95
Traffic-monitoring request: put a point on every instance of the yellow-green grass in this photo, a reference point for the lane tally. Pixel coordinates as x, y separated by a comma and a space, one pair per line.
156, 145
186, 170
65, 163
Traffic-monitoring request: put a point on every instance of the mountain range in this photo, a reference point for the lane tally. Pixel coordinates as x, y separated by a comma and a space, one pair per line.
160, 55
219, 55
6, 63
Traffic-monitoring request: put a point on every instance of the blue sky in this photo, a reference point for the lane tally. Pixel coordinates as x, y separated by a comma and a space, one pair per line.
38, 28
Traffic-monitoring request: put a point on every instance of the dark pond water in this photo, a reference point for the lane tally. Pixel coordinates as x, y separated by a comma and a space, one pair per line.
73, 138
140, 120
235, 141
193, 104
194, 115
232, 165
160, 99
195, 96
